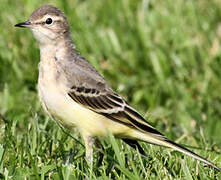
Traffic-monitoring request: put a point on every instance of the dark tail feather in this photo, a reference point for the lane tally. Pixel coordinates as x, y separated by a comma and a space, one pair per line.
158, 139
190, 153
134, 144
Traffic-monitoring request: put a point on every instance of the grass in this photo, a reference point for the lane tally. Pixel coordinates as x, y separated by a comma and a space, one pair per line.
164, 57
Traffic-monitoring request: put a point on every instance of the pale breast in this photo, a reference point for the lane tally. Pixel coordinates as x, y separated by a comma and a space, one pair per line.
52, 94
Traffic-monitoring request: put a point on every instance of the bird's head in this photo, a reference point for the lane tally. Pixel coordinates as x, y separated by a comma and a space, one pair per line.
47, 23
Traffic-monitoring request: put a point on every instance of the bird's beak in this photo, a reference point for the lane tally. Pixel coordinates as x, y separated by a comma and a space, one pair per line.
23, 24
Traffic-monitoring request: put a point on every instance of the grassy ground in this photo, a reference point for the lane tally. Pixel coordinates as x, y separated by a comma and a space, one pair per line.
163, 56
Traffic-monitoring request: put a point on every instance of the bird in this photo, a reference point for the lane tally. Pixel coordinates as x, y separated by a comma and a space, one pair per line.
75, 95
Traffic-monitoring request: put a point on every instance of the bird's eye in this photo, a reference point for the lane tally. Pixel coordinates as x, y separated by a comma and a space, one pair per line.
48, 21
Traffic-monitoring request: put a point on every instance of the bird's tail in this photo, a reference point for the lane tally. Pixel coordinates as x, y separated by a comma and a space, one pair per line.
160, 140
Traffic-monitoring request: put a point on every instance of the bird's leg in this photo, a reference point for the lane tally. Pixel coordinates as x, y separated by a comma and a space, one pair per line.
100, 154
89, 149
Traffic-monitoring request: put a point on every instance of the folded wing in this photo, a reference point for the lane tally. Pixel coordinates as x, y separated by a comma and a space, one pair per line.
112, 106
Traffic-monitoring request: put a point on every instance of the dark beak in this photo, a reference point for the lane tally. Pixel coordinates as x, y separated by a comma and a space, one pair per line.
23, 24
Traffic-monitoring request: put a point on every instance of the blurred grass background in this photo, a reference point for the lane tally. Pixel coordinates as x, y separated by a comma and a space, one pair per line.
163, 56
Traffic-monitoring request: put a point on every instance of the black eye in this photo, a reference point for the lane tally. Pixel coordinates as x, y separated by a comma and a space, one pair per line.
48, 21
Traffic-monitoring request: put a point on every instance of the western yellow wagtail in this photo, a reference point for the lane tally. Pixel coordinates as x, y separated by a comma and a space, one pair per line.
74, 94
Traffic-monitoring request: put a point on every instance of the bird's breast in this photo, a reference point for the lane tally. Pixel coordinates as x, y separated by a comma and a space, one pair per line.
52, 94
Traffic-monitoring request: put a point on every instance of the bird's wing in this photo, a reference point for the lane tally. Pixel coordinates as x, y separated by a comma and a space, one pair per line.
111, 105
88, 88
